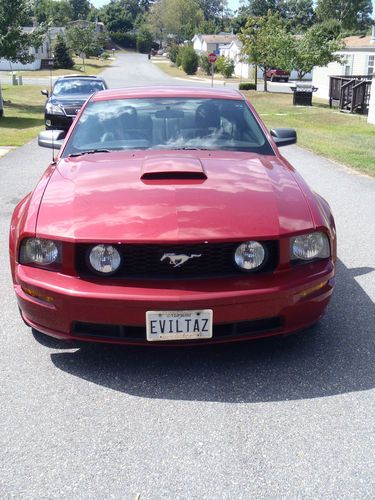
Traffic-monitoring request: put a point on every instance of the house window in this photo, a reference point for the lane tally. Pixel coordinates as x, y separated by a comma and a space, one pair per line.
371, 65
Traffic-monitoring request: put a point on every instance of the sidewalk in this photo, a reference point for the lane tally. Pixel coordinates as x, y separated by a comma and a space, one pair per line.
5, 149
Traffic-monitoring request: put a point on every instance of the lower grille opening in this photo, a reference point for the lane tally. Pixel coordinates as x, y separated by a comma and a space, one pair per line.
138, 333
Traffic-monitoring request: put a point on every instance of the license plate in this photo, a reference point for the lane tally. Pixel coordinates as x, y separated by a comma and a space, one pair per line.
178, 325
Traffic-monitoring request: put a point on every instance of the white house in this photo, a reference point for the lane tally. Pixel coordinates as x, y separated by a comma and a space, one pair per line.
43, 52
358, 60
211, 43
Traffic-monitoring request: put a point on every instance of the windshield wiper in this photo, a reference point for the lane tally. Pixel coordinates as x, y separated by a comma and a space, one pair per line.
89, 152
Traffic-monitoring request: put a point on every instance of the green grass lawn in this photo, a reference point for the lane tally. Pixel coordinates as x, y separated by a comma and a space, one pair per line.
93, 66
346, 138
23, 114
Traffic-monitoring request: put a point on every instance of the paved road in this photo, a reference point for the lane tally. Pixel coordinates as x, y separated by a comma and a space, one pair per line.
272, 419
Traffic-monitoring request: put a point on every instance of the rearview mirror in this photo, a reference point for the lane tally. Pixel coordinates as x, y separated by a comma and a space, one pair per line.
52, 139
284, 136
45, 92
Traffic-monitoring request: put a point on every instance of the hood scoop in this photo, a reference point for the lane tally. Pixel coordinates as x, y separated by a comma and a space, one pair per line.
171, 167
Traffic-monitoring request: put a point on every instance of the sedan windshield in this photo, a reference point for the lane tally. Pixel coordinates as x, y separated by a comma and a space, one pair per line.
77, 87
167, 123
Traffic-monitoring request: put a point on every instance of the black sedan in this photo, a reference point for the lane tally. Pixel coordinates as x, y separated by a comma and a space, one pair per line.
68, 95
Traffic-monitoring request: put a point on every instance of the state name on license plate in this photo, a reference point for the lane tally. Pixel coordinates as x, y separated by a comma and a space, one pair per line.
178, 325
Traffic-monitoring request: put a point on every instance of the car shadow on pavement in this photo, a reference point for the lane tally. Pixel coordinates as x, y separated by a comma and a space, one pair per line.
334, 357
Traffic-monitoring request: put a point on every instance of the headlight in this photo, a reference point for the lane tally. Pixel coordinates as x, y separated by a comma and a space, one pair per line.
309, 246
250, 255
104, 259
54, 109
40, 252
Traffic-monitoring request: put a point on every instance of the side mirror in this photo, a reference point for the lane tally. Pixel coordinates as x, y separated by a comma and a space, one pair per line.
284, 136
52, 139
45, 92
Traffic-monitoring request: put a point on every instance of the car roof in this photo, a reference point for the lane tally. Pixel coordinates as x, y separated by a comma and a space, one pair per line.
177, 91
67, 77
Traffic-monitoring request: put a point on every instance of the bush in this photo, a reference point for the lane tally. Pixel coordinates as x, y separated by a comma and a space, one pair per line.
247, 86
173, 52
63, 59
125, 40
144, 41
189, 60
205, 64
225, 66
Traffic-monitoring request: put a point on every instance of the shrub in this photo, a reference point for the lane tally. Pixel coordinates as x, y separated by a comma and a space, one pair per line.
189, 60
247, 86
225, 66
144, 41
63, 59
125, 40
205, 64
173, 52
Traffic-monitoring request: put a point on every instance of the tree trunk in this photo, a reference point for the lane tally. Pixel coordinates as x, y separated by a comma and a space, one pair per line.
265, 79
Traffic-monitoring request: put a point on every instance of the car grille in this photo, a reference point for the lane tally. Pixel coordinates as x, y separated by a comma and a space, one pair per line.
144, 261
72, 110
138, 333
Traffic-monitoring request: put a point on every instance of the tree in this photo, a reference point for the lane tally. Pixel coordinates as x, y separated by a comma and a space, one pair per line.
353, 15
83, 40
266, 43
175, 17
15, 44
80, 8
63, 59
57, 13
318, 47
212, 9
299, 14
260, 8
116, 17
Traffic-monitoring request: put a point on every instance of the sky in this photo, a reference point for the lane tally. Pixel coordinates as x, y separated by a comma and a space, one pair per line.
232, 4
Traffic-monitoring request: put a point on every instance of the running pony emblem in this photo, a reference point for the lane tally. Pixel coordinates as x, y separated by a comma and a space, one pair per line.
176, 260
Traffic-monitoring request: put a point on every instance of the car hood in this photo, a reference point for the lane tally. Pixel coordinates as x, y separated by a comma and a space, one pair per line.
177, 196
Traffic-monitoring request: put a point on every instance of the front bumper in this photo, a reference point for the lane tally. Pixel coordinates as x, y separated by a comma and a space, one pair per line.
271, 304
58, 122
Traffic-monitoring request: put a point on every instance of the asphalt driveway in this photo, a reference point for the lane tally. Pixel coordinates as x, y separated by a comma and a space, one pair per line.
284, 418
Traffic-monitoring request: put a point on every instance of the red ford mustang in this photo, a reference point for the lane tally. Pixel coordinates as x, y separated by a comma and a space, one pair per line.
170, 217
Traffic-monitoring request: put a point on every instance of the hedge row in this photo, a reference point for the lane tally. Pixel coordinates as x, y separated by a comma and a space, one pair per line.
247, 86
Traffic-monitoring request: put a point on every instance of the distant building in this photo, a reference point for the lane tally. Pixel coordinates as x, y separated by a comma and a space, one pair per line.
41, 53
211, 43
82, 23
358, 60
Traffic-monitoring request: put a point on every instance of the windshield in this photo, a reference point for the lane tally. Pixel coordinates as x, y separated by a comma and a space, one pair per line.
167, 123
77, 87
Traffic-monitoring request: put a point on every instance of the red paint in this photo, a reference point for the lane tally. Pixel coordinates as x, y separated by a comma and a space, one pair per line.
112, 197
